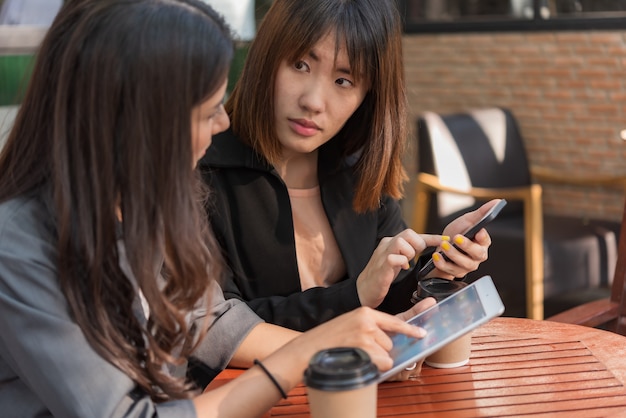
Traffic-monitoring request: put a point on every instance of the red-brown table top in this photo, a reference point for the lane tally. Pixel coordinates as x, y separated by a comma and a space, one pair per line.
518, 367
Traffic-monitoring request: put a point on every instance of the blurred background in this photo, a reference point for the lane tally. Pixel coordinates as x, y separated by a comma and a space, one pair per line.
558, 65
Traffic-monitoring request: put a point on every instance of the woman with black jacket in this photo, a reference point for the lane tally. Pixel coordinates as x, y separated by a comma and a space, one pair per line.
307, 181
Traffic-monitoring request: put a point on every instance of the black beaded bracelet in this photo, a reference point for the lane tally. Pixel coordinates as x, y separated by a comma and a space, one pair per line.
272, 378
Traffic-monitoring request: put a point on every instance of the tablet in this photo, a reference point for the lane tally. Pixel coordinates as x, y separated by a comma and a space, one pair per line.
446, 321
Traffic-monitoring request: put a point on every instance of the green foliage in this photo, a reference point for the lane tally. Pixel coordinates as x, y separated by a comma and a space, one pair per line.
15, 73
237, 65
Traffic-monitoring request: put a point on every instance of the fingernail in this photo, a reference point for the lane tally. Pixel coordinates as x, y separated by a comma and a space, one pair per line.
436, 256
445, 245
458, 239
406, 266
445, 238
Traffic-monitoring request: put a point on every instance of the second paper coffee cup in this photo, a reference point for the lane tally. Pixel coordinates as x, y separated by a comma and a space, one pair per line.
341, 383
456, 353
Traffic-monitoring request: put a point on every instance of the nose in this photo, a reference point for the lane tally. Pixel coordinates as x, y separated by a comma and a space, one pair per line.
312, 98
221, 122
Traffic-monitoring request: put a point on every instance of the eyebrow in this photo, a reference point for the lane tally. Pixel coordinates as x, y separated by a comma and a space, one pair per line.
344, 70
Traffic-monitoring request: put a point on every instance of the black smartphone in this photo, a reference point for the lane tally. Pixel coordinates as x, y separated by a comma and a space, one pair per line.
469, 233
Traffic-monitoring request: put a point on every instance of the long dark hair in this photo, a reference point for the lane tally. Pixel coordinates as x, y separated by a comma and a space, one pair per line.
105, 127
372, 33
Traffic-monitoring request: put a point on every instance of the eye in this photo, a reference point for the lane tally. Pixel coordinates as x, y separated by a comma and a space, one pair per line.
301, 66
344, 82
217, 112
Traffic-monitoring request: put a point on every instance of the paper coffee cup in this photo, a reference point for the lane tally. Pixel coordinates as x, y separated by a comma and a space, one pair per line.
341, 383
454, 354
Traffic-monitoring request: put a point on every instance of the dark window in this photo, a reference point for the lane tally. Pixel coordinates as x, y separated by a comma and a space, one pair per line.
485, 15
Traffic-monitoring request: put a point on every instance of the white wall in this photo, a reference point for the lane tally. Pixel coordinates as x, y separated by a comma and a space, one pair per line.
239, 15
29, 12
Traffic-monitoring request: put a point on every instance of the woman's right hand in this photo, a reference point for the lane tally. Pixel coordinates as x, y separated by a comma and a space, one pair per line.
390, 256
414, 370
365, 328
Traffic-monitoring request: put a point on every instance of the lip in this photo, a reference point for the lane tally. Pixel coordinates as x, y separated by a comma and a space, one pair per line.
304, 127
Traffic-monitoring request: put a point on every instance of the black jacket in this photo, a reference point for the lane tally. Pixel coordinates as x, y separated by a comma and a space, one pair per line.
250, 212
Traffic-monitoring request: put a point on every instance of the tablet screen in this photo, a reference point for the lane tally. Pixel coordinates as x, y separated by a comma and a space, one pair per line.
449, 317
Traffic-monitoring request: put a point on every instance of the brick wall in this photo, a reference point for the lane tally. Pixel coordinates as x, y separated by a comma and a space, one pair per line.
567, 90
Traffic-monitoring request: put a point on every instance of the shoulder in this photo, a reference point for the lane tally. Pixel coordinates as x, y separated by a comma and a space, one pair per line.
12, 208
26, 226
227, 150
28, 253
24, 213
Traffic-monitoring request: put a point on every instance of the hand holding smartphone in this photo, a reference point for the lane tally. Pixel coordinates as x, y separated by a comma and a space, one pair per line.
470, 233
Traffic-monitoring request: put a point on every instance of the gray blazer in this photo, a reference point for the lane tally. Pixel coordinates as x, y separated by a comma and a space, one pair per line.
47, 368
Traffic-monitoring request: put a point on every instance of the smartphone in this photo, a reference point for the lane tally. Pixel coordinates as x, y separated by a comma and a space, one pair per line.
469, 233
453, 317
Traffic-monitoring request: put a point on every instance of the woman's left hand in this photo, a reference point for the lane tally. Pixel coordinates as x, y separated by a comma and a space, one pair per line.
464, 254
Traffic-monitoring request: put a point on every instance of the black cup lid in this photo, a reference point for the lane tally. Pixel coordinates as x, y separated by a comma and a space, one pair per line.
438, 288
341, 368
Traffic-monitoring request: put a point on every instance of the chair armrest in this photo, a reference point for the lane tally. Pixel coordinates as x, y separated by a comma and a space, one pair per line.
543, 174
430, 183
589, 314
427, 184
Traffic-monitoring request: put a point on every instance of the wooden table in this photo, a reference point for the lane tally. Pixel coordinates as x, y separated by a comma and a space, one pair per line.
518, 367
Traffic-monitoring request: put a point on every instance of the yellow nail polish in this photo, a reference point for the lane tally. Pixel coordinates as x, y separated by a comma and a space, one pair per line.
436, 256
445, 245
458, 239
445, 238
406, 266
